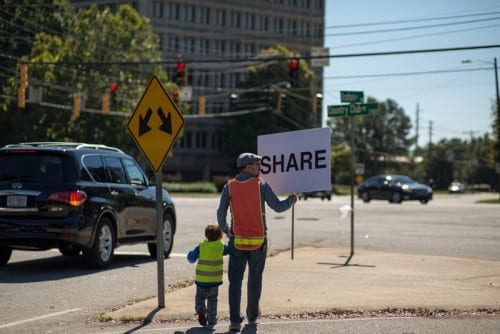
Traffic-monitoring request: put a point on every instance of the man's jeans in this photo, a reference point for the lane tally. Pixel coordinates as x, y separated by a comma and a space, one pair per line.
238, 260
210, 294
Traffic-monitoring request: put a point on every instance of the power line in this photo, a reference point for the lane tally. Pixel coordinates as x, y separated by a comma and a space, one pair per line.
259, 59
410, 28
409, 20
406, 73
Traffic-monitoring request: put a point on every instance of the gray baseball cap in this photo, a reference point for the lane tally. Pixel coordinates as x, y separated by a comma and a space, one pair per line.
247, 158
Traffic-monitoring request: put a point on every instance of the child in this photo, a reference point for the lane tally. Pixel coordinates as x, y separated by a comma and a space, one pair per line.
209, 254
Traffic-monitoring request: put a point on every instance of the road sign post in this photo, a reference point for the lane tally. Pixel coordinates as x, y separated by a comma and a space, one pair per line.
154, 126
356, 107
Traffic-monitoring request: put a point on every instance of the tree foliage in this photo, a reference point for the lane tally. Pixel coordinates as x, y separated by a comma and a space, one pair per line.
379, 139
261, 91
81, 56
468, 161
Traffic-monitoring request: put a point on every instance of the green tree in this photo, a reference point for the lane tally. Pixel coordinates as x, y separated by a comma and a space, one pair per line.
99, 49
95, 49
261, 91
21, 21
471, 162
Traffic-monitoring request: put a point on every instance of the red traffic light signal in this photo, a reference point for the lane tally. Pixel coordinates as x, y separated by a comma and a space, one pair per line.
181, 66
112, 92
293, 67
181, 76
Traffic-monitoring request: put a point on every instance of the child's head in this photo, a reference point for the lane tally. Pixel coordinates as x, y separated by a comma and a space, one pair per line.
213, 232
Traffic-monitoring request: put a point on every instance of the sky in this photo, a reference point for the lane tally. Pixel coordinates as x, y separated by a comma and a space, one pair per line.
457, 101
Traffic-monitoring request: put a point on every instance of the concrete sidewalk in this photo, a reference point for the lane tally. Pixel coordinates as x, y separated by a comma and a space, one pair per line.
317, 280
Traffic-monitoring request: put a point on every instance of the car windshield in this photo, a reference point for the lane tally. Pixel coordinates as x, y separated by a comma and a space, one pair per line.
34, 167
402, 179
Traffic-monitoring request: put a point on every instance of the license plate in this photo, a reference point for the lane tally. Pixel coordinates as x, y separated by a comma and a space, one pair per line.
16, 201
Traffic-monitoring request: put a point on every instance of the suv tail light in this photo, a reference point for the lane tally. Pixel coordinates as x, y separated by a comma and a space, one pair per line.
73, 198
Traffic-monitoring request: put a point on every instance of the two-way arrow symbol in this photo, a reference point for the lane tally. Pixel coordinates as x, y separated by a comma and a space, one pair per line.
166, 125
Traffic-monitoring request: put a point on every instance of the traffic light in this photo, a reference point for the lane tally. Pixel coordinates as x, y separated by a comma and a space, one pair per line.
23, 76
105, 103
202, 102
282, 103
293, 68
318, 103
181, 76
21, 97
23, 84
76, 106
112, 93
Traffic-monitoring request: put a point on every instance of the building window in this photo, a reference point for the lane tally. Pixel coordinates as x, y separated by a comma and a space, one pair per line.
160, 39
157, 9
189, 14
220, 17
185, 141
205, 15
201, 139
173, 11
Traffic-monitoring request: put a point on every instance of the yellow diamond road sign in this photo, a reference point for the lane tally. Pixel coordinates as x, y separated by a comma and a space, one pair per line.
155, 123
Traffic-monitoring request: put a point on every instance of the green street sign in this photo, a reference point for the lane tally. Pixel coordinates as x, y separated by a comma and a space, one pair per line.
358, 109
338, 110
351, 96
363, 109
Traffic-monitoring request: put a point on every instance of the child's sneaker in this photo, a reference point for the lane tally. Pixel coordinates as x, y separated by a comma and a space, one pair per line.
202, 318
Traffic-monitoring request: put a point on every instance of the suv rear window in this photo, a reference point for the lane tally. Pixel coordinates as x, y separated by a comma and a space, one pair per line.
36, 167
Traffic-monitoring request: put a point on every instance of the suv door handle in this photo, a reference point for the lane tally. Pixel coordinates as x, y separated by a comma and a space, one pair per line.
114, 192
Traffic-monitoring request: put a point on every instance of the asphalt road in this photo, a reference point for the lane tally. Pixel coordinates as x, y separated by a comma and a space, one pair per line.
43, 292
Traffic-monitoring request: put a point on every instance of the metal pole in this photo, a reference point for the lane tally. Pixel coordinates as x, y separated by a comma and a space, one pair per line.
497, 165
352, 189
159, 240
293, 228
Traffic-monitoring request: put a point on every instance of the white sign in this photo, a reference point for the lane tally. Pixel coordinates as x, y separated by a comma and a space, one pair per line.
323, 57
296, 161
186, 94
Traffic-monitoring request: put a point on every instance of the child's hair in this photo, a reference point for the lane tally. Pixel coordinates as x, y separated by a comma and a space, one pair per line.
213, 232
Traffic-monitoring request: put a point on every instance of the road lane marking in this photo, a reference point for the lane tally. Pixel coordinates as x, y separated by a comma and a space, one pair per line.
20, 322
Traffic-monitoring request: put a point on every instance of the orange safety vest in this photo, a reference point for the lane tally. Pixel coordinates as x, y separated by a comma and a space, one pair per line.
246, 208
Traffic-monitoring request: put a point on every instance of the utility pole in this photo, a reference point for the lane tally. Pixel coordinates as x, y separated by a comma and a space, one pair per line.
430, 134
497, 164
417, 120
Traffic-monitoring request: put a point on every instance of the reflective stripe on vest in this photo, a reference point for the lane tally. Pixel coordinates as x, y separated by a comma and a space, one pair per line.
209, 266
246, 208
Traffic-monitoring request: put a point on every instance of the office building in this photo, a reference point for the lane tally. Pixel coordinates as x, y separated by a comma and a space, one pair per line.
221, 31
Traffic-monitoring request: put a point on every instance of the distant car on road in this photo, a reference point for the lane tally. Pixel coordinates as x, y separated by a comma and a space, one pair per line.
394, 188
323, 194
456, 188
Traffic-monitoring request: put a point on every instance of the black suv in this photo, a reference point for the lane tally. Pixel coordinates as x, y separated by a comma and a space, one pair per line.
77, 198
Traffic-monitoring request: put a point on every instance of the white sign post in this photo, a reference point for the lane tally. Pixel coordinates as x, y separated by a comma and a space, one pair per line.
296, 161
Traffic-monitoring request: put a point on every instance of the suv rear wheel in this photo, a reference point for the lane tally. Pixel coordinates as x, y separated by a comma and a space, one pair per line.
5, 253
100, 254
168, 238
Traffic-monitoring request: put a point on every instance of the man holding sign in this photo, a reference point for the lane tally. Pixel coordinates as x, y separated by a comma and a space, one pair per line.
246, 194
